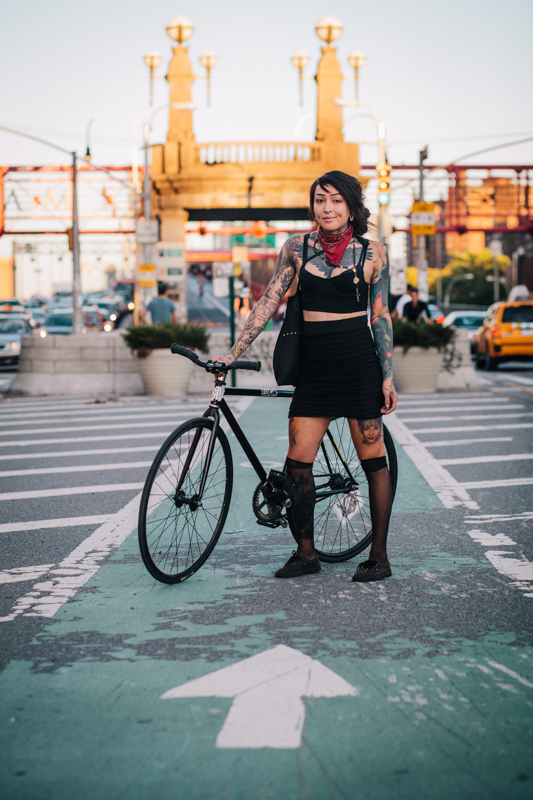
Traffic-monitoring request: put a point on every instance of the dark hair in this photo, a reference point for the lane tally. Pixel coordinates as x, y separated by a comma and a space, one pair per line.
411, 288
161, 288
351, 190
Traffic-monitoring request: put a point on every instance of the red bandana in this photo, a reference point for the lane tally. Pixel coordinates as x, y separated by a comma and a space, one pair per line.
335, 244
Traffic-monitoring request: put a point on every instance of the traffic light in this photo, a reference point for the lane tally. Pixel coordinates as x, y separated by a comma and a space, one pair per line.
70, 239
383, 171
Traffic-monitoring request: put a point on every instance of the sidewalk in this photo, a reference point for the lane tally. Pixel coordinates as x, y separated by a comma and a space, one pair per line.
429, 694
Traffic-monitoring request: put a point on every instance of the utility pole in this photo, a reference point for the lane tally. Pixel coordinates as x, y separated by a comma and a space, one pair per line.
496, 250
76, 273
422, 262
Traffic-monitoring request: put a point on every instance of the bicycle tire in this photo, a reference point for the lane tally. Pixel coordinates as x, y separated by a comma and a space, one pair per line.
342, 521
175, 538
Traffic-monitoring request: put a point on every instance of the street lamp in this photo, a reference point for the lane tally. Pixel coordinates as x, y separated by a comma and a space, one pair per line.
152, 59
208, 60
180, 29
356, 60
300, 61
467, 276
328, 29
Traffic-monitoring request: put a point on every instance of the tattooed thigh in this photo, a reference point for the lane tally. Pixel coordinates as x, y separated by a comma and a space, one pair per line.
371, 430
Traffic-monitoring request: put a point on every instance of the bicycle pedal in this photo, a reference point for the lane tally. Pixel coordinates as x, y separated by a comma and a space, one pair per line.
274, 524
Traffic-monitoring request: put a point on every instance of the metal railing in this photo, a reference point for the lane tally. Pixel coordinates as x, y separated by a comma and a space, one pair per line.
257, 152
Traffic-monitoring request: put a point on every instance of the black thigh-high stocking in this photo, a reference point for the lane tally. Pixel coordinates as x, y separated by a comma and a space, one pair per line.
301, 512
380, 497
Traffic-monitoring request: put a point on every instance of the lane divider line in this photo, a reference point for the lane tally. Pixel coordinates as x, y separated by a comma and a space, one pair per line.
63, 522
32, 494
450, 492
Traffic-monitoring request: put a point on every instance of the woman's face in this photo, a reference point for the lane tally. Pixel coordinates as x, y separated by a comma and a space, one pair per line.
330, 208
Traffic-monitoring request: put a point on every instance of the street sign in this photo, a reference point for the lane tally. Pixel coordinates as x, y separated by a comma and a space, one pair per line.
267, 710
423, 219
239, 254
147, 278
147, 231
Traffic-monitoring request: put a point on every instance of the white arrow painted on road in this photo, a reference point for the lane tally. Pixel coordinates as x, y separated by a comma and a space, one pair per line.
268, 688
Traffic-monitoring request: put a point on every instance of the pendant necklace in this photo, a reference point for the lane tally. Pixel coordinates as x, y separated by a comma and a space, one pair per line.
355, 276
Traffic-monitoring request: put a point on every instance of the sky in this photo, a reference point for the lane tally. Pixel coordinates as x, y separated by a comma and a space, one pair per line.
455, 75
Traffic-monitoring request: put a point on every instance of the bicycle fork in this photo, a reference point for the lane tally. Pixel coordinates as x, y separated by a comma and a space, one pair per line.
195, 501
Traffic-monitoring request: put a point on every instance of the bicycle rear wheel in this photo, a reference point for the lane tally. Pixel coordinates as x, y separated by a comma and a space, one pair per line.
343, 526
178, 529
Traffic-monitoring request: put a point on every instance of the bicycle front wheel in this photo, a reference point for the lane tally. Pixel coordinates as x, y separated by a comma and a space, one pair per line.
179, 523
343, 527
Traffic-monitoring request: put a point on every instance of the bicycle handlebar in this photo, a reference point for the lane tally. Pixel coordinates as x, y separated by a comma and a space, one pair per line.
214, 366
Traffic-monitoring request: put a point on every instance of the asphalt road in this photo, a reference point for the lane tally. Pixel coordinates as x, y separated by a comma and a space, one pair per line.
416, 687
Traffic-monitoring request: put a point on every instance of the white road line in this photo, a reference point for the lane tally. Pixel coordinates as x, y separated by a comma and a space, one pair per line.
516, 568
67, 440
46, 598
443, 418
519, 569
486, 518
502, 377
66, 453
12, 473
469, 428
499, 484
178, 418
63, 522
447, 398
511, 673
29, 495
491, 539
448, 462
447, 442
115, 413
471, 407
447, 488
19, 574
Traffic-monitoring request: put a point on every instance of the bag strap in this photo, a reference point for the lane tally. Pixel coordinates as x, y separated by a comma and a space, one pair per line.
306, 242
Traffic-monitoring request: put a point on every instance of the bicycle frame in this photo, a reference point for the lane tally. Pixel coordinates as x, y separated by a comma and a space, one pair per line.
219, 405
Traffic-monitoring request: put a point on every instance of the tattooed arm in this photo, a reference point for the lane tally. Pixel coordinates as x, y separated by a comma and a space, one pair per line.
382, 325
264, 310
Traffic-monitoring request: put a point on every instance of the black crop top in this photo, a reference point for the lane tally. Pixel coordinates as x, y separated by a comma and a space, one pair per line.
343, 294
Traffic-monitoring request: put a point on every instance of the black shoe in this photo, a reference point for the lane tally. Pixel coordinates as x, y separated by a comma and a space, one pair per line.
372, 571
298, 565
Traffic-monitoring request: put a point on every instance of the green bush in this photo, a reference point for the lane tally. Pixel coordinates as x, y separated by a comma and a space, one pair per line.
424, 334
145, 338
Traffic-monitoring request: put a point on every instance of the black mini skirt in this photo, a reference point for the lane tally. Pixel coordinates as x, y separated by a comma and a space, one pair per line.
340, 374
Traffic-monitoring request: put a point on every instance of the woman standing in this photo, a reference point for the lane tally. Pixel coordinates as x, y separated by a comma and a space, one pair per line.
346, 371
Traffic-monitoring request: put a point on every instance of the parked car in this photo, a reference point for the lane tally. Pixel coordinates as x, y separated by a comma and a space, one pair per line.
11, 306
467, 320
59, 322
12, 328
505, 335
435, 314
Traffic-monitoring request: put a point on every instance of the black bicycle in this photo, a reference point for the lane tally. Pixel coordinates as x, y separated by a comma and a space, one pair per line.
187, 493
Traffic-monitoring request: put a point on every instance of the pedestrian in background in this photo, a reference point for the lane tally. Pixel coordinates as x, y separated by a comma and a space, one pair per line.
161, 308
404, 299
416, 310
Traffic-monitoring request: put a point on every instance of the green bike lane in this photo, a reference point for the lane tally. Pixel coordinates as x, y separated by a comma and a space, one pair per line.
419, 686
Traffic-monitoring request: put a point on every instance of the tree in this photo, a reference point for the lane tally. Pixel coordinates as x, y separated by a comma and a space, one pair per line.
478, 291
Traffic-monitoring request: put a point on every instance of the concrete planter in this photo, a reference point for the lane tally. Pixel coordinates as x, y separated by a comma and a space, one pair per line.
165, 374
416, 371
92, 364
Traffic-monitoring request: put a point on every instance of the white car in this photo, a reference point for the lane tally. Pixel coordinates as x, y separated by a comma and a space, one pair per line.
12, 328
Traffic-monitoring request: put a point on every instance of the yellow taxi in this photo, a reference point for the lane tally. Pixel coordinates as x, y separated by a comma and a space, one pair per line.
505, 335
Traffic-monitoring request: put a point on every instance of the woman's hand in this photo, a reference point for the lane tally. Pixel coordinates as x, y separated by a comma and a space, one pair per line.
391, 398
227, 359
